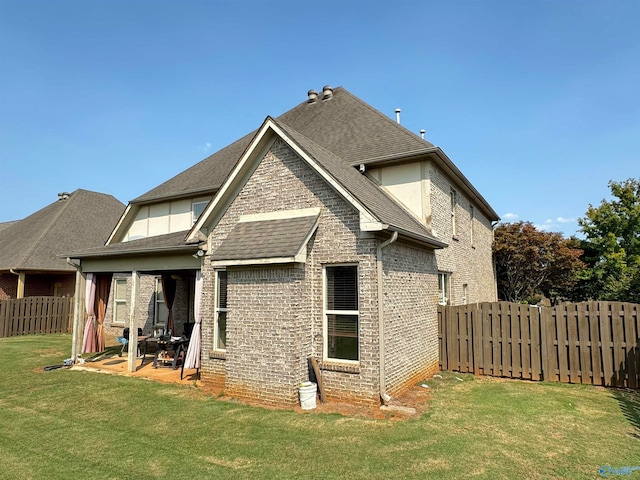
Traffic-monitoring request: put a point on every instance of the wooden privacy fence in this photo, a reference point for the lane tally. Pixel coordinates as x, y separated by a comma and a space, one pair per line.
29, 315
590, 342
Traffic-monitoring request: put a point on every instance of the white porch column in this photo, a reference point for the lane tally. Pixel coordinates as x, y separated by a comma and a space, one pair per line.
133, 324
78, 315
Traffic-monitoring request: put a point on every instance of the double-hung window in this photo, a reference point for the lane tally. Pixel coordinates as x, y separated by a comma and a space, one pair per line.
220, 327
161, 310
120, 300
444, 289
341, 313
472, 214
454, 203
196, 210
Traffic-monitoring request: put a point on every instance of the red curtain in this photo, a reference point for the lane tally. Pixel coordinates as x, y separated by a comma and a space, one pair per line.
169, 291
102, 298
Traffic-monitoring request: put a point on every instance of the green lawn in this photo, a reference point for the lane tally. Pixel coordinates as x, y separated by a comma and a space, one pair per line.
80, 425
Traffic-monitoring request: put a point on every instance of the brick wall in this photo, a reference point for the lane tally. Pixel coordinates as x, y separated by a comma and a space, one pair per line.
269, 353
8, 286
37, 285
410, 312
469, 263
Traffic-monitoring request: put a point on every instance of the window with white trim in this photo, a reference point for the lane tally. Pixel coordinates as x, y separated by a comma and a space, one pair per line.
161, 311
196, 210
454, 203
444, 288
120, 301
472, 227
465, 294
220, 320
341, 313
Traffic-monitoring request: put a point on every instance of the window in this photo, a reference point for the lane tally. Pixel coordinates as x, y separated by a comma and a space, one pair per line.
57, 289
444, 293
471, 228
220, 327
161, 311
196, 210
465, 293
341, 312
120, 301
454, 202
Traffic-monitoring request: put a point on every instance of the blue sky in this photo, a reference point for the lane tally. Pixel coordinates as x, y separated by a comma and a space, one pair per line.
537, 102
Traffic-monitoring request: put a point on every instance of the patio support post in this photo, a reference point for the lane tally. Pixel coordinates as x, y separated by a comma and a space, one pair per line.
78, 315
21, 278
133, 324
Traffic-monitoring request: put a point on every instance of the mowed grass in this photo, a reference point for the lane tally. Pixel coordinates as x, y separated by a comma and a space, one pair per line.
65, 424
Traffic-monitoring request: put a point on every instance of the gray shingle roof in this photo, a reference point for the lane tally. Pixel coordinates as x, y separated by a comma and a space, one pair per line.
277, 238
83, 220
344, 125
376, 200
170, 242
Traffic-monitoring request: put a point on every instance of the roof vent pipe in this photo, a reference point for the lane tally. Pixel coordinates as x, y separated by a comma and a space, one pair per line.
422, 132
313, 96
327, 92
398, 116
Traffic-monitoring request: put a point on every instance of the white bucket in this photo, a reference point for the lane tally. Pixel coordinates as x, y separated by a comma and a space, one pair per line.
308, 395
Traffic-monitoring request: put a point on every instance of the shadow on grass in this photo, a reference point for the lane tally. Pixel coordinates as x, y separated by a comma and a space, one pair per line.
629, 401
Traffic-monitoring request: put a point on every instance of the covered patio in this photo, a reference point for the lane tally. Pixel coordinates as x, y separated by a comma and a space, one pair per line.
109, 362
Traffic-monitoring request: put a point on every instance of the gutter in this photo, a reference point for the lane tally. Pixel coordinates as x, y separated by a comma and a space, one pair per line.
383, 389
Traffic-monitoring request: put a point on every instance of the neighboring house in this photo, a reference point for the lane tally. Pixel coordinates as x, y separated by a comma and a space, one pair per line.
330, 232
29, 249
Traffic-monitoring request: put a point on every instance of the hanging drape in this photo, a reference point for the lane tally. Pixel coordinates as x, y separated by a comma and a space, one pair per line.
192, 359
103, 288
169, 292
89, 339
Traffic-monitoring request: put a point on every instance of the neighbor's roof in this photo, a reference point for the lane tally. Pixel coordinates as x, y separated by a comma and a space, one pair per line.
343, 125
84, 219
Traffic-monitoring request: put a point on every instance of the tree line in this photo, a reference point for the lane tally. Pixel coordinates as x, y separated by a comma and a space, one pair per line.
602, 265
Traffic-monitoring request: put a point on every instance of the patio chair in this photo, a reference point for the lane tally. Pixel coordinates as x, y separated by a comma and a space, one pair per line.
124, 340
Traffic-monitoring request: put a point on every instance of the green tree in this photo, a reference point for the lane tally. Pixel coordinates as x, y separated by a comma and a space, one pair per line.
531, 263
612, 245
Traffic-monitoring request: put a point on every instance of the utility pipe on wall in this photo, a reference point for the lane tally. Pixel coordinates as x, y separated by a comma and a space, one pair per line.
383, 389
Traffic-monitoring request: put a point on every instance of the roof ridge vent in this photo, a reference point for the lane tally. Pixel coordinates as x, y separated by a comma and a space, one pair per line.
327, 92
313, 96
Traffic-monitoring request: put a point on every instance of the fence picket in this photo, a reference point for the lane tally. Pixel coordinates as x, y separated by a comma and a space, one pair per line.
478, 362
632, 338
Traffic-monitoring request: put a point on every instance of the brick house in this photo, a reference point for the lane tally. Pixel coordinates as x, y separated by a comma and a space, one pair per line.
330, 232
30, 264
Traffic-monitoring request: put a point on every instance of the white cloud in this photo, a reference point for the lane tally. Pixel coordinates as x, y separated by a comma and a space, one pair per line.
206, 147
548, 221
565, 220
545, 227
510, 216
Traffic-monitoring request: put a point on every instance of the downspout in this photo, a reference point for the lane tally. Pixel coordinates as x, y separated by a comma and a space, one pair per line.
20, 287
383, 389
